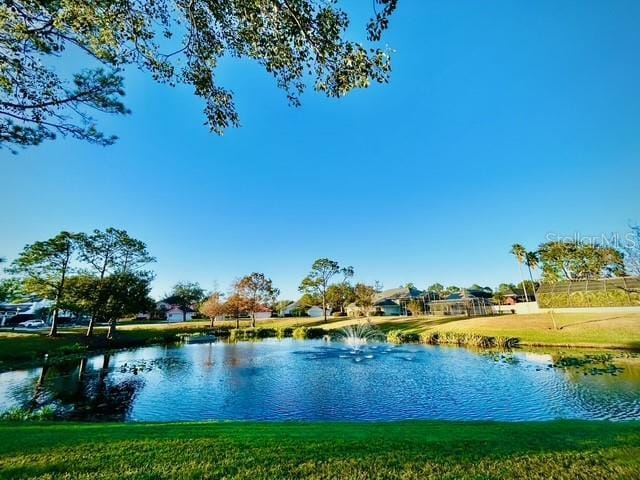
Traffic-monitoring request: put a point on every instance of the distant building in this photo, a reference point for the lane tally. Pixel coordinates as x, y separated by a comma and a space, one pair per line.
392, 302
295, 309
465, 302
14, 313
178, 314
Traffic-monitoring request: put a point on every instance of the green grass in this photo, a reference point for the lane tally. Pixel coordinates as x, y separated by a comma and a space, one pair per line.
407, 450
573, 330
16, 348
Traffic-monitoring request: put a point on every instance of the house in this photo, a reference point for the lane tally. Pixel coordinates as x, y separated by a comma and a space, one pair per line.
317, 311
177, 314
262, 313
13, 313
393, 302
295, 309
465, 302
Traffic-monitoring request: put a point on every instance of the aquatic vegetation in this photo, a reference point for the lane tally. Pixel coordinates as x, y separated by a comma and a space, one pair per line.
468, 340
592, 364
305, 333
18, 414
400, 336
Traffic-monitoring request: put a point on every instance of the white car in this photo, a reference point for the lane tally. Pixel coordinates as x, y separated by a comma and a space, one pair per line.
32, 324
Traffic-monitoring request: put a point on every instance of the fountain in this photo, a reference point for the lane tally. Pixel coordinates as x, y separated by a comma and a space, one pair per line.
360, 334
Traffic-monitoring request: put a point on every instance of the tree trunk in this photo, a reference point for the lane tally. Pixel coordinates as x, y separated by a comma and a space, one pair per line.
324, 308
184, 314
532, 283
212, 320
524, 287
53, 332
90, 327
237, 323
112, 329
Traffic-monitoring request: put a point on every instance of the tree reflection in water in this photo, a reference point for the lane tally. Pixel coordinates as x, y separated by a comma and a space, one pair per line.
78, 393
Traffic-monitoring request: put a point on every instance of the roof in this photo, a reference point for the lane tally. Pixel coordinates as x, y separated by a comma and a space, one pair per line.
386, 301
176, 307
399, 293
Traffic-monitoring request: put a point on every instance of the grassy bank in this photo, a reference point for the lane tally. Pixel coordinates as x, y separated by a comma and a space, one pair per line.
571, 330
25, 347
408, 450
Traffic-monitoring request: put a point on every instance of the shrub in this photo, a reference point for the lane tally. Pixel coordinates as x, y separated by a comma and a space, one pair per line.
339, 314
399, 336
17, 414
597, 298
302, 333
468, 340
283, 332
73, 349
430, 338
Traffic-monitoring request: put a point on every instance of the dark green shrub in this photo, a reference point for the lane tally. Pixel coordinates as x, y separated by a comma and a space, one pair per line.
399, 336
302, 333
283, 332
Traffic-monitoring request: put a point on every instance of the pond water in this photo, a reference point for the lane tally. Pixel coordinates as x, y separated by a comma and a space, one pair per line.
313, 380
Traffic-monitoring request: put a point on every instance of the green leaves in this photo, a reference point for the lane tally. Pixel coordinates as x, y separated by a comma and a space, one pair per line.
176, 41
575, 260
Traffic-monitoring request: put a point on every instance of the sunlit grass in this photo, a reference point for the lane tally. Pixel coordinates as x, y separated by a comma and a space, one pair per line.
408, 450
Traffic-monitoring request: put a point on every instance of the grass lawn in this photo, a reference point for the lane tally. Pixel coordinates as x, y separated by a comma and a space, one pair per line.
29, 346
574, 330
407, 450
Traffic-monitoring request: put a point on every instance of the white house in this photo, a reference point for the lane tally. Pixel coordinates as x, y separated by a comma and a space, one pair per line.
316, 311
295, 309
176, 314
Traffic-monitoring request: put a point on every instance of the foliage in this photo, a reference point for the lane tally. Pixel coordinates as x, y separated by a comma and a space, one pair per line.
113, 251
436, 288
304, 333
575, 260
213, 306
416, 307
26, 415
317, 282
175, 41
257, 291
283, 332
365, 296
45, 265
615, 297
339, 295
187, 295
252, 333
401, 336
632, 251
11, 290
467, 339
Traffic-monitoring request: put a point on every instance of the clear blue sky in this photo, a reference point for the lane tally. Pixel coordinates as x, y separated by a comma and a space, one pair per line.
504, 121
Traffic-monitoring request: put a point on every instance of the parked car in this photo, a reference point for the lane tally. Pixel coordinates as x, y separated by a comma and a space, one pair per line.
32, 324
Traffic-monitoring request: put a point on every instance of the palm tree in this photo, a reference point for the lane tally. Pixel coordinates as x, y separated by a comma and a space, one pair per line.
521, 254
532, 261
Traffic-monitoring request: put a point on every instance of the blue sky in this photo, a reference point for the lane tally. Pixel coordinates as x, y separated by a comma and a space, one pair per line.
504, 121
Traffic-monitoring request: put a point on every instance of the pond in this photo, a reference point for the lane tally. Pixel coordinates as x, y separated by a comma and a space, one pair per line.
317, 380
